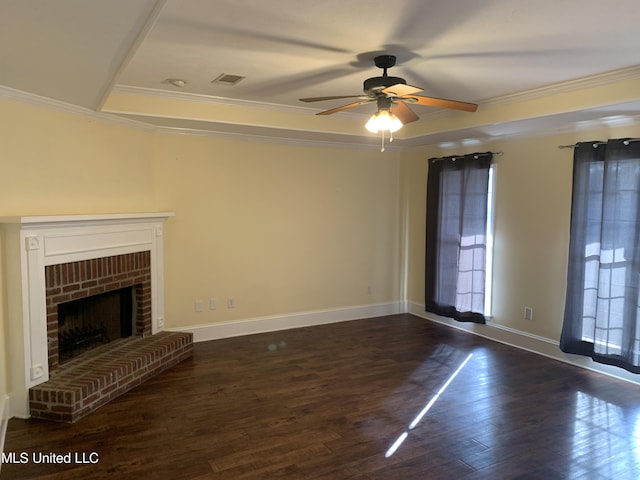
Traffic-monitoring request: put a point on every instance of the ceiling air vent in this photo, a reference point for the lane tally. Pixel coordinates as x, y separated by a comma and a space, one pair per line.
226, 79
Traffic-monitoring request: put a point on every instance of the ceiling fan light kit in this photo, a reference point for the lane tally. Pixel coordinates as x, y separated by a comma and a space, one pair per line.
391, 95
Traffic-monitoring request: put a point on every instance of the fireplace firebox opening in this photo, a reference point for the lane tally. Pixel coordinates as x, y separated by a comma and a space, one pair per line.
88, 322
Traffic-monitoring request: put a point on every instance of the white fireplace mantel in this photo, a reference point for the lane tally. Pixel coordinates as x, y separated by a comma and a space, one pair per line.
33, 242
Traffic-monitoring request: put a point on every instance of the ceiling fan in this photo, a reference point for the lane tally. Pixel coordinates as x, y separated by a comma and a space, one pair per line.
392, 95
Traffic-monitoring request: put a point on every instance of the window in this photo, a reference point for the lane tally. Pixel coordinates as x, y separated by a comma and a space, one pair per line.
459, 237
602, 310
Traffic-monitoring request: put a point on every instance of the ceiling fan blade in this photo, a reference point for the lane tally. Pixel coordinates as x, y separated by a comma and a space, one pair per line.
404, 113
320, 99
345, 107
401, 89
441, 102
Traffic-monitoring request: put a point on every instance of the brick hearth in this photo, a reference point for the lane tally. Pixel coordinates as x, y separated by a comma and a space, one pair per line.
82, 385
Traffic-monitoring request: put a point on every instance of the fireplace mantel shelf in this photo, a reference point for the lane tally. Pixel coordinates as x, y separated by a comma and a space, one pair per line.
51, 221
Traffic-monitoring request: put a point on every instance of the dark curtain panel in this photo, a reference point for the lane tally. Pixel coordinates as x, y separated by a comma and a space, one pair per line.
602, 311
457, 192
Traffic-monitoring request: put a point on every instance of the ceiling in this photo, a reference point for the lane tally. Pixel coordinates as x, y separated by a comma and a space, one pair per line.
116, 57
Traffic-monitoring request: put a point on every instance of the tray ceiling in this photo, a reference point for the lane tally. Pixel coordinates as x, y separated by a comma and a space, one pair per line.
117, 56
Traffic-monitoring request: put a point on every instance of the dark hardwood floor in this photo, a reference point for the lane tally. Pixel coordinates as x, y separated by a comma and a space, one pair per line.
329, 402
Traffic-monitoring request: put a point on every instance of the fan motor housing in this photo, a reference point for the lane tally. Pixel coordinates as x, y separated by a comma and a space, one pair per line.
375, 84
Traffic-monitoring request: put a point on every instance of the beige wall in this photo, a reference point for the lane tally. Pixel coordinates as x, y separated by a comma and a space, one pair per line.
280, 228
532, 214
60, 163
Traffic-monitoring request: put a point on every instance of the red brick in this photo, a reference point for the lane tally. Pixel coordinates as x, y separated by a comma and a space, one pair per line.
61, 408
60, 299
53, 291
71, 287
79, 294
96, 290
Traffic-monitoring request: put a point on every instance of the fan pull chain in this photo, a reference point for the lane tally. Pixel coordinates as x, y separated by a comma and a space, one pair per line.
390, 139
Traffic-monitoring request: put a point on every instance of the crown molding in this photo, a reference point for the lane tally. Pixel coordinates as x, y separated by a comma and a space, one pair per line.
274, 139
40, 101
57, 105
591, 81
577, 127
232, 102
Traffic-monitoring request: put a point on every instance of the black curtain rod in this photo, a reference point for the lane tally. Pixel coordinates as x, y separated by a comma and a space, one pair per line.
454, 157
595, 144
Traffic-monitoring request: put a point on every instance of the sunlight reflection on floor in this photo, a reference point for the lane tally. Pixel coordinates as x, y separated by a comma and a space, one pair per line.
604, 447
392, 449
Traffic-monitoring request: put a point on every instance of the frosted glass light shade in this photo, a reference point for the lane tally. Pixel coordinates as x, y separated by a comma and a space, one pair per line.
383, 120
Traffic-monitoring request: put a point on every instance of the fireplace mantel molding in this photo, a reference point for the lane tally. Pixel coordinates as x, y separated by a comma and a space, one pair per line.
33, 242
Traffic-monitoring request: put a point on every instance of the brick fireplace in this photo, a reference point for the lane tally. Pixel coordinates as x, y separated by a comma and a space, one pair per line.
51, 260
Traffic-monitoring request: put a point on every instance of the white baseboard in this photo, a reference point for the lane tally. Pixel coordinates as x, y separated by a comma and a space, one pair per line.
525, 341
215, 331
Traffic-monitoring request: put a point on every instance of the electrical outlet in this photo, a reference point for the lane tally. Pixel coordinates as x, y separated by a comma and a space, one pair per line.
197, 306
369, 290
231, 303
213, 303
528, 313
